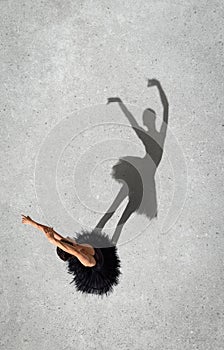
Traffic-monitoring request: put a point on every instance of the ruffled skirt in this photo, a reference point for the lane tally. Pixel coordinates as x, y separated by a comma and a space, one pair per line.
138, 174
101, 278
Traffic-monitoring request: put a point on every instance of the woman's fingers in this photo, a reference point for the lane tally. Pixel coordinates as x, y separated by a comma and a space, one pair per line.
49, 232
48, 229
25, 219
24, 216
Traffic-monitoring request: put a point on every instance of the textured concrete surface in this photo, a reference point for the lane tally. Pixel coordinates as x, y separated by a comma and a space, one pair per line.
63, 59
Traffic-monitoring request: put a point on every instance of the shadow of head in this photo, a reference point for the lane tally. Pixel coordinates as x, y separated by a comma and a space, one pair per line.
149, 119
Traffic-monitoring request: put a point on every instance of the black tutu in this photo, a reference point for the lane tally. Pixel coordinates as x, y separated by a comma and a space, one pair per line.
101, 278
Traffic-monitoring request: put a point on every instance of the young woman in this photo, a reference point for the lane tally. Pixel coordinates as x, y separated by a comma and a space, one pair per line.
91, 258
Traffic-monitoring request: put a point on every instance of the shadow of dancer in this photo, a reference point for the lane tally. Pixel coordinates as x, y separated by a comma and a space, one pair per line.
137, 174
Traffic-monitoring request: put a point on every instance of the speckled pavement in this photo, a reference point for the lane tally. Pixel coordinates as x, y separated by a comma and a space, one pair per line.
60, 61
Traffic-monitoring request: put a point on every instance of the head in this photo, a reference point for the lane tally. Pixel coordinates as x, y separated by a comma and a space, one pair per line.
63, 255
149, 118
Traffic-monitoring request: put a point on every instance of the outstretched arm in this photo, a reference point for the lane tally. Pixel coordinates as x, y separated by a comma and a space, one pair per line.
48, 231
80, 251
165, 103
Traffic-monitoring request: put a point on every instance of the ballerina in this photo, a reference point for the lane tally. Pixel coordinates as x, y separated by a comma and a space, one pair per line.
91, 258
136, 174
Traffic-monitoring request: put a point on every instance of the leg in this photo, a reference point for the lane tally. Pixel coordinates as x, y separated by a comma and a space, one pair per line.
120, 197
130, 209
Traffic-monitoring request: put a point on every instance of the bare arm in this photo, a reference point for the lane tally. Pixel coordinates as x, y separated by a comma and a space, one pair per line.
85, 258
49, 231
75, 249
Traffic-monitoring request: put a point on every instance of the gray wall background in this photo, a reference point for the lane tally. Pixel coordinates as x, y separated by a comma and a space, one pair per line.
57, 59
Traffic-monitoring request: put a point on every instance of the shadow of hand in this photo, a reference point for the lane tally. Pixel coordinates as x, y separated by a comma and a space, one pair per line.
113, 99
153, 82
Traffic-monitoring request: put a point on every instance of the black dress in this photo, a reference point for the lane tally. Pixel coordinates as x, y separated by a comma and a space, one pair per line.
101, 278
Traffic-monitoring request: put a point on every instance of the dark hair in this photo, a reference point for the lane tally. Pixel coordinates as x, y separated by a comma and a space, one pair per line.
63, 255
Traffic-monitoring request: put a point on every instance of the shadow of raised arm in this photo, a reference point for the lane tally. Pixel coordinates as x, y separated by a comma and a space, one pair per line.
136, 127
165, 103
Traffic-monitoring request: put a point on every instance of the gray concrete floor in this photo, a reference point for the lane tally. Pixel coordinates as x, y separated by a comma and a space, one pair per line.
61, 60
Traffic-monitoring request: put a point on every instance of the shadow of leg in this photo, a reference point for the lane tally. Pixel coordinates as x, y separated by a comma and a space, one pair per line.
130, 209
122, 194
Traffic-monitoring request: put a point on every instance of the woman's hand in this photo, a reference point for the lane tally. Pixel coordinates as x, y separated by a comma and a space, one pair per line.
49, 231
113, 99
26, 219
153, 82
